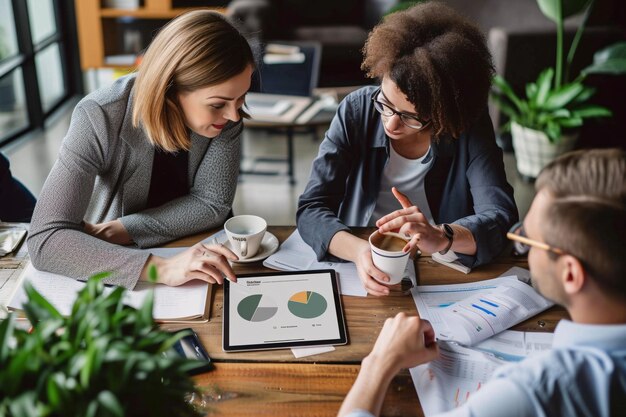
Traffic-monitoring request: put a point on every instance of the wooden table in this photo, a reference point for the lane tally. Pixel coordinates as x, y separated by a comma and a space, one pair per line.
274, 383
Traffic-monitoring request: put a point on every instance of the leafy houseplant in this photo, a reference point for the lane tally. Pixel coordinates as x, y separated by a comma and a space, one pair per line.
544, 122
105, 359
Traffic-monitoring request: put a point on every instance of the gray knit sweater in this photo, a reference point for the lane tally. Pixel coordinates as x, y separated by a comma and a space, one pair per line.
103, 173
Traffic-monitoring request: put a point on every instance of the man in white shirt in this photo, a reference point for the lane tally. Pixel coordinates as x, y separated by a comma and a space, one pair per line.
575, 232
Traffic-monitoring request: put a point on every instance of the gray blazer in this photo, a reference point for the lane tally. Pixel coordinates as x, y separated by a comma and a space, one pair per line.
103, 173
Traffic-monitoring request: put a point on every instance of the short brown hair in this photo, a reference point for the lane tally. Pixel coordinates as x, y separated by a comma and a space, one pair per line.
591, 172
438, 59
196, 50
588, 217
594, 231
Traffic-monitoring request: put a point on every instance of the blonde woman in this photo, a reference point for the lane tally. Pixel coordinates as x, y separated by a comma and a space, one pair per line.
151, 159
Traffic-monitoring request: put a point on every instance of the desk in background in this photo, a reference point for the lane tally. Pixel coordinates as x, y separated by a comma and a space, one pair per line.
299, 114
274, 383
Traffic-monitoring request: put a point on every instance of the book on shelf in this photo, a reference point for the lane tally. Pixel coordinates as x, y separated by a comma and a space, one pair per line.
281, 49
190, 302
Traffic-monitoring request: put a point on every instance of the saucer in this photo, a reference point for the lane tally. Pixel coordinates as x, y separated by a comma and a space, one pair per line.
269, 245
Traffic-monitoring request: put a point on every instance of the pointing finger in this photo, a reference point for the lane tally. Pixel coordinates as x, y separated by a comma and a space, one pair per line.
403, 199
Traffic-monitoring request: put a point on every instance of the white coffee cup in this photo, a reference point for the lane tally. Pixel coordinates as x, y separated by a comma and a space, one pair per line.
388, 256
245, 234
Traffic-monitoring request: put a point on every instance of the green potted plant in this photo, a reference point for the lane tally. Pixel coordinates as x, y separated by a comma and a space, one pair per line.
105, 359
544, 123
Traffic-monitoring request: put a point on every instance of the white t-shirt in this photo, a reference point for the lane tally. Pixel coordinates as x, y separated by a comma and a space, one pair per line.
407, 175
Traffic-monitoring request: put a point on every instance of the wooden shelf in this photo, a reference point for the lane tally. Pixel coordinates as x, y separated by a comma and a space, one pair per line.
144, 13
92, 19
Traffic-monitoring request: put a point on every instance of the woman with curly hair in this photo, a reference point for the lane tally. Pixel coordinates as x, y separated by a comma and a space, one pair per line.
416, 154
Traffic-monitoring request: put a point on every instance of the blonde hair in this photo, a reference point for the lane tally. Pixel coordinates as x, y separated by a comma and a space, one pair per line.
196, 50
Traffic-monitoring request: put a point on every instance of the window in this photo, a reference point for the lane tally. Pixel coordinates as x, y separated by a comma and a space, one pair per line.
39, 67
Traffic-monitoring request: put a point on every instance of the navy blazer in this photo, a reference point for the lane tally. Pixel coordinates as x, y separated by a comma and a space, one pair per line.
466, 184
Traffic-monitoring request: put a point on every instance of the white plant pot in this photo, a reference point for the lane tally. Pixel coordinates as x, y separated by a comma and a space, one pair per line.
533, 149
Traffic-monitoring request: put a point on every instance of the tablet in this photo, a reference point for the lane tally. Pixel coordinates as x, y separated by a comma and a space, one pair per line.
280, 310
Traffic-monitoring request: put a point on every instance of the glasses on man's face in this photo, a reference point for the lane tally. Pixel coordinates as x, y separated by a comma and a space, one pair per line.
409, 120
523, 243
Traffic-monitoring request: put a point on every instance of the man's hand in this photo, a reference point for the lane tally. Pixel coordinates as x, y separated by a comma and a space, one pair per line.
404, 342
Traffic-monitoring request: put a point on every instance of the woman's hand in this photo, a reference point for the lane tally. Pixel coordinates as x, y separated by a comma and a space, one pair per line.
203, 262
346, 246
411, 222
369, 274
112, 232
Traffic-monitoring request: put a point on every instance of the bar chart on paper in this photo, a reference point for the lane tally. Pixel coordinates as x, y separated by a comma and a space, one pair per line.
448, 382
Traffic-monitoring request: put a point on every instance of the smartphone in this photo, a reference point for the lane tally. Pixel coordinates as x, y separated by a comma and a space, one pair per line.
190, 347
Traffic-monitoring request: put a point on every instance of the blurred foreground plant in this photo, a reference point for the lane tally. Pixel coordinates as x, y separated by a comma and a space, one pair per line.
105, 359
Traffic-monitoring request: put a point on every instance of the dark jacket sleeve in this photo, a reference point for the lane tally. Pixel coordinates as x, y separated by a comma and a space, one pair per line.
494, 205
17, 202
319, 205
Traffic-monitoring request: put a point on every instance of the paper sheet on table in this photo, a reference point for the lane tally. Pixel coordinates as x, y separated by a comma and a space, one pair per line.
311, 351
448, 382
295, 255
451, 261
430, 300
471, 312
186, 301
486, 313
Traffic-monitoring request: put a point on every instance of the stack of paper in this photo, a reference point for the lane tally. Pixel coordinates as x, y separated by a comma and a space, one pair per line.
469, 322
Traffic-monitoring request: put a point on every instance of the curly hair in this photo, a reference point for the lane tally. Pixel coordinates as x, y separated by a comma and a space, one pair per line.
438, 59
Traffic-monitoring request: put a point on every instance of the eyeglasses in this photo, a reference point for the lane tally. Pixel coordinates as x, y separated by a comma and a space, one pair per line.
409, 120
523, 242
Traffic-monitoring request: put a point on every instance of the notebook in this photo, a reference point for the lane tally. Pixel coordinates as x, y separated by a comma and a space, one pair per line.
190, 302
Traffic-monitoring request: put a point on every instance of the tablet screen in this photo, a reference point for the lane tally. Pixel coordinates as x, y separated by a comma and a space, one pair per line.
282, 309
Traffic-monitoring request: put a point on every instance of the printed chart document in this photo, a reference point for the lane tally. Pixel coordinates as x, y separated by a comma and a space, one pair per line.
470, 313
187, 302
295, 255
448, 382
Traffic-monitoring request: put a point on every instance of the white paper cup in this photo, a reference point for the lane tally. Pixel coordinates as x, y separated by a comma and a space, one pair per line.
245, 234
391, 262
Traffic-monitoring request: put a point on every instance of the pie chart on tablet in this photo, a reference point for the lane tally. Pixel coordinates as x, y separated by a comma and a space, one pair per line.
257, 308
307, 304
